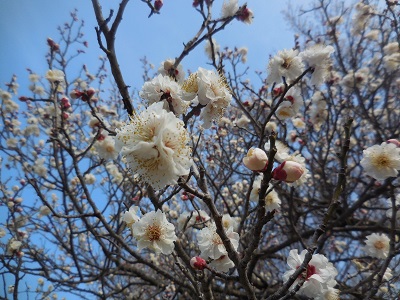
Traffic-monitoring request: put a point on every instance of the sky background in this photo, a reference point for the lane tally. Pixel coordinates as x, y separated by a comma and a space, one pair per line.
25, 25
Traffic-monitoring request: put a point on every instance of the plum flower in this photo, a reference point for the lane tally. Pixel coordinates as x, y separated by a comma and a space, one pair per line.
271, 199
166, 68
318, 58
288, 64
210, 242
153, 231
319, 275
163, 88
222, 264
154, 145
377, 245
211, 91
381, 161
130, 217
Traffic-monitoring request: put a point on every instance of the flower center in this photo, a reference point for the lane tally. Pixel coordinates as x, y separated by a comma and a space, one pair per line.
379, 245
153, 232
216, 239
382, 161
286, 63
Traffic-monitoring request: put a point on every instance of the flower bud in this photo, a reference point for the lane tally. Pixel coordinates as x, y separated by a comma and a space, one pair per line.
75, 94
288, 171
198, 263
23, 98
158, 4
394, 141
90, 92
256, 160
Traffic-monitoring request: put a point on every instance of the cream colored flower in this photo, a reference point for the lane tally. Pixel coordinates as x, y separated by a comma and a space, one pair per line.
381, 161
153, 231
377, 245
154, 145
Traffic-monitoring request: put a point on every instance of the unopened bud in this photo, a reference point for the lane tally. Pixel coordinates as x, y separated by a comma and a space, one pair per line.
65, 103
75, 94
158, 4
90, 92
198, 263
256, 160
288, 171
23, 98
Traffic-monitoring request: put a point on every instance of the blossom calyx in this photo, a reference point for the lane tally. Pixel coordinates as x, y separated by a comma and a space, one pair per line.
256, 160
198, 263
288, 171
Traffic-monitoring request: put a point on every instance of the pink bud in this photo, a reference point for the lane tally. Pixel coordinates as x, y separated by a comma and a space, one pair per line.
75, 94
198, 263
245, 15
90, 92
394, 141
158, 4
256, 160
65, 103
288, 171
65, 115
23, 98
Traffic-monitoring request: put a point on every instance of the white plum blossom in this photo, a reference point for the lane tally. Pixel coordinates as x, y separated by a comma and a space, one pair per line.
153, 231
166, 67
318, 58
55, 76
319, 275
271, 199
39, 168
222, 264
229, 222
89, 178
14, 245
154, 145
211, 91
229, 8
288, 64
164, 89
105, 147
210, 243
381, 161
377, 245
282, 151
130, 217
